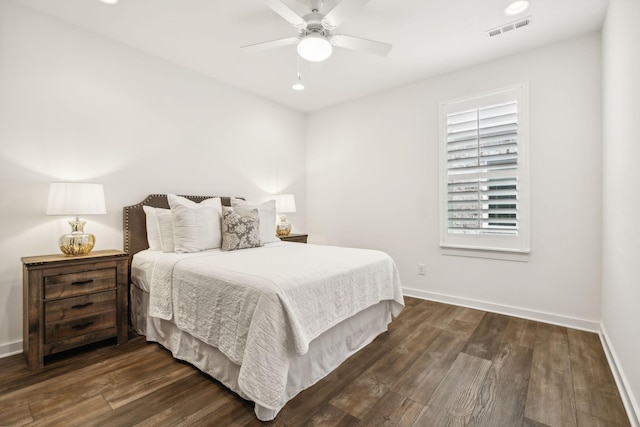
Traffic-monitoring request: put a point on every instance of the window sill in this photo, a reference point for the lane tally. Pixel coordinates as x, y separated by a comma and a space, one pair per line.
486, 253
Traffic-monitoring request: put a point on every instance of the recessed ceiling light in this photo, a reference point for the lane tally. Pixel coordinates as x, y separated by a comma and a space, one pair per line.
516, 7
109, 1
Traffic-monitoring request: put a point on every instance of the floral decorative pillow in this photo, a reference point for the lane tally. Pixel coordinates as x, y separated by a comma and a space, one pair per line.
267, 212
240, 228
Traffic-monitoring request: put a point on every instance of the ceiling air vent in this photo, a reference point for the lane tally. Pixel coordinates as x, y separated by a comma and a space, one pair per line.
509, 27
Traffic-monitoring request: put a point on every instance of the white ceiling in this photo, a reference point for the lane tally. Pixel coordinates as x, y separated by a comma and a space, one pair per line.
429, 37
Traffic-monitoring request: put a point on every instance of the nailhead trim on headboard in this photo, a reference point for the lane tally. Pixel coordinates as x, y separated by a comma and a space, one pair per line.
134, 219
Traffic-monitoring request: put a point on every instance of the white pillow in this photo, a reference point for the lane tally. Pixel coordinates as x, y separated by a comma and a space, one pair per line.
153, 229
267, 215
159, 229
196, 226
165, 222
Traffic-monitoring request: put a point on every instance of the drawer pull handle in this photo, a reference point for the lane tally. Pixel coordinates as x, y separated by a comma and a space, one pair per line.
87, 304
82, 282
82, 325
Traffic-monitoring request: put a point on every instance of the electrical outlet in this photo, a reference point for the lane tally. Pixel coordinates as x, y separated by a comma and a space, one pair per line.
422, 269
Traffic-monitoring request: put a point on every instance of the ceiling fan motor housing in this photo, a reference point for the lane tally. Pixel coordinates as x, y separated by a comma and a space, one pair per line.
315, 25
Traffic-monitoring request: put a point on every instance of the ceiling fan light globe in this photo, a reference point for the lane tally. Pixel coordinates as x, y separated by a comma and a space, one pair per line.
314, 48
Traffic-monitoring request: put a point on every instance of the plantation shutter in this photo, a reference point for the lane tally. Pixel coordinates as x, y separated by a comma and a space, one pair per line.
483, 172
481, 145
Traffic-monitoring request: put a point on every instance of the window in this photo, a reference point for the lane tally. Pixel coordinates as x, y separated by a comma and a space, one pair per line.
484, 172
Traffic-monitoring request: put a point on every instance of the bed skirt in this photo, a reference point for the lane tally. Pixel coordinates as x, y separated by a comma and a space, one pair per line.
325, 353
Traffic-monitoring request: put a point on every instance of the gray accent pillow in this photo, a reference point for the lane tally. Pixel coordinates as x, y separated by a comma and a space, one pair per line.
240, 228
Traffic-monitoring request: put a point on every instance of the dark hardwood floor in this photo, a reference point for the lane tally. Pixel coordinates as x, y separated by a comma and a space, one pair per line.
439, 365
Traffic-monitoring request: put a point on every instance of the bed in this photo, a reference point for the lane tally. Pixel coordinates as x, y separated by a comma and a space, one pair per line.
266, 321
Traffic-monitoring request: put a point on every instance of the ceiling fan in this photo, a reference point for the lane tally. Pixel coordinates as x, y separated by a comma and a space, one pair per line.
315, 38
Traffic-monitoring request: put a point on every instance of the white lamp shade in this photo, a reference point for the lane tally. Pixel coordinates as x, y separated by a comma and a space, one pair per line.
285, 203
314, 48
76, 198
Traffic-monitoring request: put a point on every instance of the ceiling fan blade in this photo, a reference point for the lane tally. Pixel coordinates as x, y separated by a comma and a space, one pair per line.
356, 43
289, 15
342, 11
271, 44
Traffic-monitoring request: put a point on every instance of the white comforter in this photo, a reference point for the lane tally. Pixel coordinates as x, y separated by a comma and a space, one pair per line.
264, 305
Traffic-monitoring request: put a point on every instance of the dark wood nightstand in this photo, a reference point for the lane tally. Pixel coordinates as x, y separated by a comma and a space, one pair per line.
298, 238
70, 301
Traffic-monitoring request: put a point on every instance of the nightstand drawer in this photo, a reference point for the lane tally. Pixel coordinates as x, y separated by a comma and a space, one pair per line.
82, 282
83, 305
80, 326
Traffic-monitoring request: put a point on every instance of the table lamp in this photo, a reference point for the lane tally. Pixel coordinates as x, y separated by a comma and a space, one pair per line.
76, 198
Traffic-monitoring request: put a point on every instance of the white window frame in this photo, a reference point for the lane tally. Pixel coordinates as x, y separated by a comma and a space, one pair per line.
479, 244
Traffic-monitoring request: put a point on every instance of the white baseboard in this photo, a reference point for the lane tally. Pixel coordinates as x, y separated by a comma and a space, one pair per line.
628, 399
539, 316
10, 349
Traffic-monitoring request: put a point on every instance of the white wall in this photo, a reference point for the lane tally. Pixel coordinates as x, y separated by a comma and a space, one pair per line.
74, 106
621, 198
372, 181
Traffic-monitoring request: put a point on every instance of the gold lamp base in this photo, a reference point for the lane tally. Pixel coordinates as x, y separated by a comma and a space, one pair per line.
283, 228
78, 242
